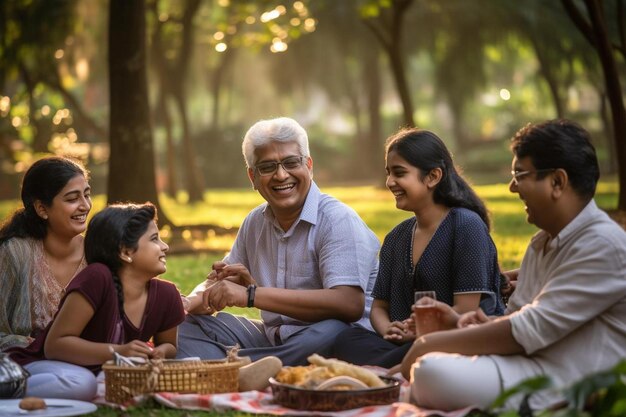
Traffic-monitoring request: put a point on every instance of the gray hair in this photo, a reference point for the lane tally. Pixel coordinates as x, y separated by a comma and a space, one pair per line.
281, 129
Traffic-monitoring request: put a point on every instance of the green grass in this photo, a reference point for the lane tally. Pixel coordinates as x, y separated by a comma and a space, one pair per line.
227, 208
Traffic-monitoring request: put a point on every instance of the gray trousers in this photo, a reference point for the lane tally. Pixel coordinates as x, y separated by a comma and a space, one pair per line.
210, 337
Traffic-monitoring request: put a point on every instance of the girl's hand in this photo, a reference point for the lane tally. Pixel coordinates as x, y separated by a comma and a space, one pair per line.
399, 332
135, 348
161, 351
194, 305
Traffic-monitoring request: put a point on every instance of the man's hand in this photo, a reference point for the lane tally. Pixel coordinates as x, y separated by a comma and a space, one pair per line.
236, 273
473, 318
447, 316
509, 283
224, 293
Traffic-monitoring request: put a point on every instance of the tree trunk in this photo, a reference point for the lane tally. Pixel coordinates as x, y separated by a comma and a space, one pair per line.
42, 133
194, 177
613, 91
596, 33
608, 133
217, 82
396, 62
548, 76
389, 35
162, 113
164, 116
375, 138
397, 68
131, 162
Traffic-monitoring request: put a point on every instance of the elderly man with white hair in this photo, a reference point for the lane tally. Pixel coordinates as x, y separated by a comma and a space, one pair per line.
303, 258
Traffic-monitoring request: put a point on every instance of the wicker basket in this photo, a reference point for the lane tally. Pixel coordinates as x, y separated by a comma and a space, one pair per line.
199, 377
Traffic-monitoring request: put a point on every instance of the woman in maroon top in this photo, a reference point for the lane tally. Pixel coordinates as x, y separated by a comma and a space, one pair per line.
114, 303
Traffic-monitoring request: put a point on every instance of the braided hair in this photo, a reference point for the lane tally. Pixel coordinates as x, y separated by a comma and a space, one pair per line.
116, 227
43, 181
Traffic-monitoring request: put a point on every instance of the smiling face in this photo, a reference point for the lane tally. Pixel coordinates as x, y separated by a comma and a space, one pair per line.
406, 183
67, 215
149, 257
535, 193
284, 191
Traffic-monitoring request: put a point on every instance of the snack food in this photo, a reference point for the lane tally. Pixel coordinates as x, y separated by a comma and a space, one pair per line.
336, 398
321, 370
338, 367
32, 403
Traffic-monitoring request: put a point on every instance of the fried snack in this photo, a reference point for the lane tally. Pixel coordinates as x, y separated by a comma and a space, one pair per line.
294, 375
32, 403
338, 368
316, 376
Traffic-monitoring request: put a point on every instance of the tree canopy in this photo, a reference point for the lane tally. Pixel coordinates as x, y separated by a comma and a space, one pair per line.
166, 108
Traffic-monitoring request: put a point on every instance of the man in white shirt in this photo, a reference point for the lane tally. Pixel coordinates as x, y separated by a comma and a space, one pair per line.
565, 318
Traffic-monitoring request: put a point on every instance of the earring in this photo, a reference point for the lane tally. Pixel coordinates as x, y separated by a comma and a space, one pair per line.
129, 259
45, 216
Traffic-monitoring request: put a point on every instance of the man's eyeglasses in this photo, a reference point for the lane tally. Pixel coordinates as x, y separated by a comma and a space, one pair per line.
517, 175
288, 164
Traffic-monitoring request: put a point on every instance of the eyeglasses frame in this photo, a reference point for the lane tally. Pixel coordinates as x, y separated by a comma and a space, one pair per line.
519, 174
276, 164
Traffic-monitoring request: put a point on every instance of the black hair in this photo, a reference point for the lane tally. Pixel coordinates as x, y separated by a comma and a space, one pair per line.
42, 181
564, 144
116, 227
426, 151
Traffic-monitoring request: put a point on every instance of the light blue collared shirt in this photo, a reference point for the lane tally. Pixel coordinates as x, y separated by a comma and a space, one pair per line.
327, 246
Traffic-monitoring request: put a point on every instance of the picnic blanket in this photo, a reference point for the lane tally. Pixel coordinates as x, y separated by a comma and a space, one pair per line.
261, 402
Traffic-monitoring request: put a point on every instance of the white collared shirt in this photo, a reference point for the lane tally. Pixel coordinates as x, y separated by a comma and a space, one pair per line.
569, 308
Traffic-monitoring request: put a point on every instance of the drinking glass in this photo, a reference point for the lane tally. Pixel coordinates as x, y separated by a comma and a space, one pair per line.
426, 314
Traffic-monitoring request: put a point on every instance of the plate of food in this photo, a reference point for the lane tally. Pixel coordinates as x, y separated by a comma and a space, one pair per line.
332, 385
45, 407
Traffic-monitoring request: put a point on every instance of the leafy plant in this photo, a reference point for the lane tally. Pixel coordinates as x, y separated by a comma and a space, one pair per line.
602, 394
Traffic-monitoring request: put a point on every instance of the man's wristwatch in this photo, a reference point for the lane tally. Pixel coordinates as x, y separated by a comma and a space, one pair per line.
251, 290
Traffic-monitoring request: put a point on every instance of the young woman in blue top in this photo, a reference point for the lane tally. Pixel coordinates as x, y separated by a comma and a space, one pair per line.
445, 247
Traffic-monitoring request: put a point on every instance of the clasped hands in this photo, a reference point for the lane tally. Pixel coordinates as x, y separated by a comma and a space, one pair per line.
225, 286
403, 331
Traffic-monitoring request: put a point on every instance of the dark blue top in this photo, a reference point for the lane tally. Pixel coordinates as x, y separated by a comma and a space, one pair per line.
460, 258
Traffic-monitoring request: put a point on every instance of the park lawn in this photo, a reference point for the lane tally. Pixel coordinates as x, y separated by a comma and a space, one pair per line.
227, 208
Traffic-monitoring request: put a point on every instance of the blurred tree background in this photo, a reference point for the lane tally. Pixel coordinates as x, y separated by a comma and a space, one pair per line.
155, 95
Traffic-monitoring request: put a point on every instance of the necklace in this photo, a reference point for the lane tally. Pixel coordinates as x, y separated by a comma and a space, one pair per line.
59, 279
80, 262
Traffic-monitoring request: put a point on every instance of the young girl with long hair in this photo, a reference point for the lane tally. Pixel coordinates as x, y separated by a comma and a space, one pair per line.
445, 247
41, 247
115, 303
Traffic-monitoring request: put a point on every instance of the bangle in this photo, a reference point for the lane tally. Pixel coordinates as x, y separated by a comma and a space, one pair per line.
250, 290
